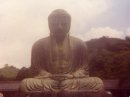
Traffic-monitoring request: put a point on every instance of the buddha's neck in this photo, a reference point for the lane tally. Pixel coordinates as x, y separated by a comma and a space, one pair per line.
60, 41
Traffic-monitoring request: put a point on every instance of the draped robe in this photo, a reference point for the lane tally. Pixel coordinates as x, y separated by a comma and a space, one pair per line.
48, 56
67, 58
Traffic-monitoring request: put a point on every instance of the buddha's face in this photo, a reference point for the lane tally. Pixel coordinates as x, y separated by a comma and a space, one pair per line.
59, 25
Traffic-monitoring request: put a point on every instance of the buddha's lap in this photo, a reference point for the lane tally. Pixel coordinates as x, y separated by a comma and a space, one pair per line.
74, 83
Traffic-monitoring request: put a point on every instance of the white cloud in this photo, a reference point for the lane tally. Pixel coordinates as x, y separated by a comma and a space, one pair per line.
101, 31
128, 32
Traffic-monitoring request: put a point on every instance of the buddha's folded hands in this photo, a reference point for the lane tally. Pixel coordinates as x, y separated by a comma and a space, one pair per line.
43, 74
80, 73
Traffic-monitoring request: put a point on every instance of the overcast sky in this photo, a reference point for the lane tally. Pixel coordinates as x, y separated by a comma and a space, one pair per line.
22, 22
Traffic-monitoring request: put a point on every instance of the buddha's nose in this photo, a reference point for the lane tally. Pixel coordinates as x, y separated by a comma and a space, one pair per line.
60, 26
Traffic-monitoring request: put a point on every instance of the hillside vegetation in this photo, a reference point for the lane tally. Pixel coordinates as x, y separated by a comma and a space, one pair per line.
8, 73
109, 58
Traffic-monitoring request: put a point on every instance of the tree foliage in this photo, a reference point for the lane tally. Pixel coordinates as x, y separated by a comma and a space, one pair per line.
8, 73
109, 58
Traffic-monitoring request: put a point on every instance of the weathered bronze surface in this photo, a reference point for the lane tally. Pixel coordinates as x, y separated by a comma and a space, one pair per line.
59, 61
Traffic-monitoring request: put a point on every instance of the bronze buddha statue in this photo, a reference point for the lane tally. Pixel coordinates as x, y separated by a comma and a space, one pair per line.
59, 61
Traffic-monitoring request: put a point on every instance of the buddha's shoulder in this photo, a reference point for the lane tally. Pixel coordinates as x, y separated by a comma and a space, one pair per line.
42, 41
77, 41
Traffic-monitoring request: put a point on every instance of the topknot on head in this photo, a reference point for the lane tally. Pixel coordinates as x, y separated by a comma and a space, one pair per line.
59, 12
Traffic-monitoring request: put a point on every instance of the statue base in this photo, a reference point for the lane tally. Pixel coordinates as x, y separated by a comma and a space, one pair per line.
63, 94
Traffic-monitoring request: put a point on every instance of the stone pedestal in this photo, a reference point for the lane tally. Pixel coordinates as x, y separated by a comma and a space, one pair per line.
63, 94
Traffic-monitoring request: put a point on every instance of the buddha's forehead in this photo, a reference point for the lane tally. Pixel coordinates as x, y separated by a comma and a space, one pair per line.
59, 14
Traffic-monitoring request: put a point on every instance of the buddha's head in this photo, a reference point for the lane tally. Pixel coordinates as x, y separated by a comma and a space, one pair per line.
59, 23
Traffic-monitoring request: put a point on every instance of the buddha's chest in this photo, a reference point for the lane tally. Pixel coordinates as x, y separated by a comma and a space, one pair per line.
61, 59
